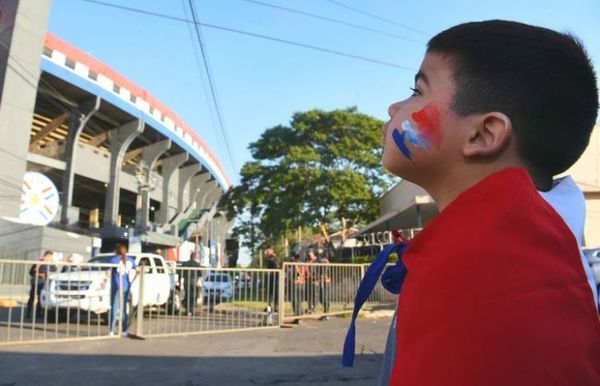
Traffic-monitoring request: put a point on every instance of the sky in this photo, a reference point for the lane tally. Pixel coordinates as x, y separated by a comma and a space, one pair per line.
261, 83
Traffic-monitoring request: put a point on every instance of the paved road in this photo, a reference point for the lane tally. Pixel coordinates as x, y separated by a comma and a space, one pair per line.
305, 355
16, 328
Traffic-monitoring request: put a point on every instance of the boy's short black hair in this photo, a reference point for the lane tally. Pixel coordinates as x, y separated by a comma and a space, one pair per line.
541, 79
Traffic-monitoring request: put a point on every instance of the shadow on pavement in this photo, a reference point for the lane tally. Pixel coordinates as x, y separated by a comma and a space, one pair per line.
18, 369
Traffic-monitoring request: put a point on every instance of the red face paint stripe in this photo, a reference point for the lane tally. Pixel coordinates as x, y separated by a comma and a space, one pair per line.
427, 119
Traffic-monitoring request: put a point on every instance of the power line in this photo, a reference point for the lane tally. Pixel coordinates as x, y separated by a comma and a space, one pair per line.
206, 92
253, 34
377, 17
332, 20
212, 86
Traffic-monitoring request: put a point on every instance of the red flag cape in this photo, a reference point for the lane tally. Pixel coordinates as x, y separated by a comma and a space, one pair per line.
496, 295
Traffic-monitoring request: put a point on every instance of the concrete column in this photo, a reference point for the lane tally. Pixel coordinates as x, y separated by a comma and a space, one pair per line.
196, 186
185, 176
150, 155
169, 184
189, 197
77, 120
224, 226
120, 139
22, 31
213, 192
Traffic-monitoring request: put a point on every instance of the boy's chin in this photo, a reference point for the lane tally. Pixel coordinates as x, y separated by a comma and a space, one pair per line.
400, 167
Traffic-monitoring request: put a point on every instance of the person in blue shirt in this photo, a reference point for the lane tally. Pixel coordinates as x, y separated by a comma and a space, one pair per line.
121, 278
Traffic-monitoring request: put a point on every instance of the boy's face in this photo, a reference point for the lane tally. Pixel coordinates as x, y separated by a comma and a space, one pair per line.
423, 136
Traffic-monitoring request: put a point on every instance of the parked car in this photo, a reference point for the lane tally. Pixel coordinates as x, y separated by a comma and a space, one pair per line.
85, 287
217, 287
243, 281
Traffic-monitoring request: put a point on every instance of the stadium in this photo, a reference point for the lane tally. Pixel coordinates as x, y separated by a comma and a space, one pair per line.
124, 166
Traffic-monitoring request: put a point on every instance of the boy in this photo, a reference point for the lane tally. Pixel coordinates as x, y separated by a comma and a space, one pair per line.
496, 291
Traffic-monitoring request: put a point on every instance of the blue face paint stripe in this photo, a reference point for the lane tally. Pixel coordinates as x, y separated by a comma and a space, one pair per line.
399, 140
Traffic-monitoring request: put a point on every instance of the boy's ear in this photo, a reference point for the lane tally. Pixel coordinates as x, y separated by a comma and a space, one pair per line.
489, 136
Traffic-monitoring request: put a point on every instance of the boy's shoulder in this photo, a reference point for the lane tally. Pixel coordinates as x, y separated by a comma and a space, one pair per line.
503, 213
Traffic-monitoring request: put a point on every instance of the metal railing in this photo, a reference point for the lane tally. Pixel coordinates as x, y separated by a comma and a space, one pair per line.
207, 300
314, 290
45, 301
380, 297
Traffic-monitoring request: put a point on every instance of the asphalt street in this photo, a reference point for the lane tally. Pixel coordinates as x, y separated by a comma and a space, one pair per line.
308, 354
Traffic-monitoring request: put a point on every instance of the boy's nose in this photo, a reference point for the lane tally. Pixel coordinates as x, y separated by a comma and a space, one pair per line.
393, 109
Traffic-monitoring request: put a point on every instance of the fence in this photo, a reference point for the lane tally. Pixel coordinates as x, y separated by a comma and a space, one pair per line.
319, 290
44, 301
209, 300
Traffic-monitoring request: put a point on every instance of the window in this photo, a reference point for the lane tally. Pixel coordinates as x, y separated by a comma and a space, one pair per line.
159, 265
47, 52
116, 88
70, 63
132, 98
146, 264
98, 260
92, 75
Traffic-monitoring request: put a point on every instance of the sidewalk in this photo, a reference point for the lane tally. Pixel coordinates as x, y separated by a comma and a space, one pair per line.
305, 355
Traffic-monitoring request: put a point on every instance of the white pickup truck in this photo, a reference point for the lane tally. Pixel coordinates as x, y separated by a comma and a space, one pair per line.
84, 287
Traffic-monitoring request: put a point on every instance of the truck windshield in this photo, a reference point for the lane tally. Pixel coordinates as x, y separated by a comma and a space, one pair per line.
97, 260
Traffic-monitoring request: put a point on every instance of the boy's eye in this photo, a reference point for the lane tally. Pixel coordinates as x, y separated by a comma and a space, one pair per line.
415, 91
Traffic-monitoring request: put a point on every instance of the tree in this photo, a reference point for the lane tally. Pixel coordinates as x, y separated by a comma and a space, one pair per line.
322, 171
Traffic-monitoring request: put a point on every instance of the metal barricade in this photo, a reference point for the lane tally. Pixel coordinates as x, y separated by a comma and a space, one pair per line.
314, 290
47, 301
380, 297
207, 300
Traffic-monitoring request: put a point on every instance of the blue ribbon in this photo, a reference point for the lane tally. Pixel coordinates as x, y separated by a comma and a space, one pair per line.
392, 280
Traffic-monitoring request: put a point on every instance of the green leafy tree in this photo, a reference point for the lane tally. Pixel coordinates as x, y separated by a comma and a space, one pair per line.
323, 171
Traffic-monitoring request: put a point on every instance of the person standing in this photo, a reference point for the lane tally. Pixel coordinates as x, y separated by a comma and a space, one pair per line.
297, 279
191, 273
313, 282
324, 280
272, 282
121, 278
39, 274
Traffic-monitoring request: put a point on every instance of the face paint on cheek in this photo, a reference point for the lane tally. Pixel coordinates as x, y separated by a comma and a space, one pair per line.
428, 133
399, 140
413, 136
428, 123
408, 135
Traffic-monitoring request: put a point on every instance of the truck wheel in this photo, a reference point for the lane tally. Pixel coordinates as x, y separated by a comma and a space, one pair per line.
104, 317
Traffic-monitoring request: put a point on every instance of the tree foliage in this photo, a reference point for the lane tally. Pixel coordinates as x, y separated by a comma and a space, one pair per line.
323, 169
